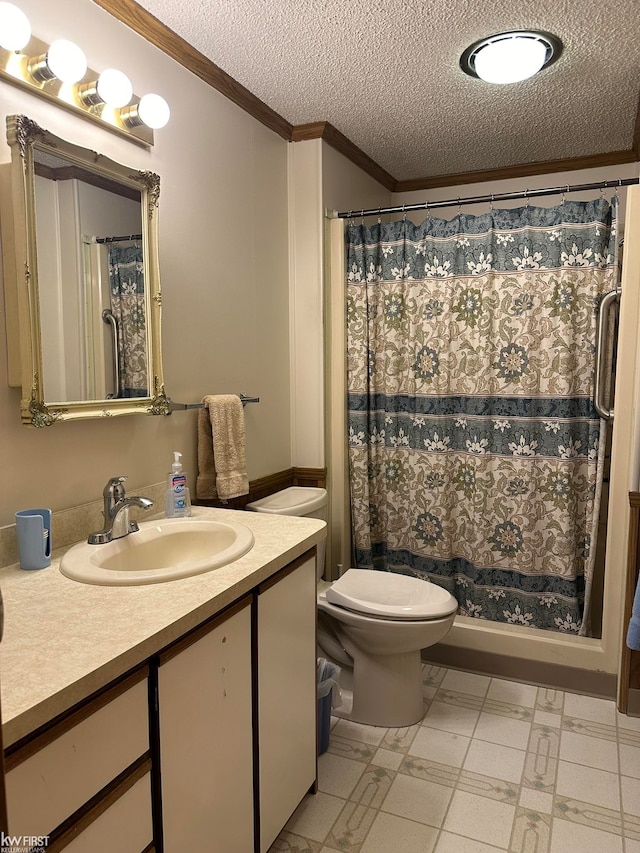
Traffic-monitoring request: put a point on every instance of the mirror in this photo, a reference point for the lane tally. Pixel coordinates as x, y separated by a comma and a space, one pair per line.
82, 286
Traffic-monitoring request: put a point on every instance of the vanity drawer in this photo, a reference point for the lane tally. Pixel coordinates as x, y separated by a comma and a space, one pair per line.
56, 773
127, 824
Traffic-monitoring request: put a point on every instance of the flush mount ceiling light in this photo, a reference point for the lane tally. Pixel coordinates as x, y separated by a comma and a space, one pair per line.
510, 57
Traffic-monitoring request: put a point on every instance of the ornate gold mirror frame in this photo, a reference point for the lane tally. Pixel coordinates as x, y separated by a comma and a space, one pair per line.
22, 294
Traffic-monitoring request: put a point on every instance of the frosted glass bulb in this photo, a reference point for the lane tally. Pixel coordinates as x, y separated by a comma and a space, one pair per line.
114, 88
510, 60
15, 29
66, 61
153, 111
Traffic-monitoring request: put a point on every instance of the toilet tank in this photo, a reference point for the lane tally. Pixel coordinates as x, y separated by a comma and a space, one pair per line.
304, 501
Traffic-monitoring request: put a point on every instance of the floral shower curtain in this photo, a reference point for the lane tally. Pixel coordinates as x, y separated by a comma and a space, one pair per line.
126, 280
475, 452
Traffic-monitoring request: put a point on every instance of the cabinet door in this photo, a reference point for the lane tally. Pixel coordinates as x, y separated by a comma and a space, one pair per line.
205, 719
286, 695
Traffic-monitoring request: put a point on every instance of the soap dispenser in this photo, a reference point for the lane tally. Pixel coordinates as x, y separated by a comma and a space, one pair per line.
177, 502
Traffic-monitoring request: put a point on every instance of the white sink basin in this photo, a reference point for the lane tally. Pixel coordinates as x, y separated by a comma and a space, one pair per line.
160, 551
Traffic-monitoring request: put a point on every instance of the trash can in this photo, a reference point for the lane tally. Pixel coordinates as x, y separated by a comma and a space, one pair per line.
328, 687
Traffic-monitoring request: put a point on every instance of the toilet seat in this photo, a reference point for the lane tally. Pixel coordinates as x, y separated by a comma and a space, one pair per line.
389, 595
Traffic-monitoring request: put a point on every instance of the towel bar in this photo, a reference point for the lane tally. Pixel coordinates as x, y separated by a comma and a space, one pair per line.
179, 407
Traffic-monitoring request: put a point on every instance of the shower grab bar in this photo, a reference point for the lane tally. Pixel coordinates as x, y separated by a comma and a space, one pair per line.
109, 319
601, 355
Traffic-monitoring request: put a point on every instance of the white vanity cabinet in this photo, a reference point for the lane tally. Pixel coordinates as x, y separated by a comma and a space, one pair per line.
207, 746
206, 736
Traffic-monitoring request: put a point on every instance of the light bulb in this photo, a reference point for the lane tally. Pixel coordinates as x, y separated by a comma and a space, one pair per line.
510, 60
66, 61
114, 88
15, 29
153, 111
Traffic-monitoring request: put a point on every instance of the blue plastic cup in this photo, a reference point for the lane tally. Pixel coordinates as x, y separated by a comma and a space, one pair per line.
33, 529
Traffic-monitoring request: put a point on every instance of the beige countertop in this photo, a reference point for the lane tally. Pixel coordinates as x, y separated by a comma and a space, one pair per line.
63, 639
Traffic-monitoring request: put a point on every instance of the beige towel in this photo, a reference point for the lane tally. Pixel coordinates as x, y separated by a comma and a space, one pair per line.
222, 470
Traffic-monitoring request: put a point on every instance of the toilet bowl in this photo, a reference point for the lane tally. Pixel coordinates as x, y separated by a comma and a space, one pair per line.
373, 624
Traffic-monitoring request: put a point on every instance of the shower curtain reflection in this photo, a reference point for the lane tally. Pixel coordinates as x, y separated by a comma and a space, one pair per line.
475, 453
126, 284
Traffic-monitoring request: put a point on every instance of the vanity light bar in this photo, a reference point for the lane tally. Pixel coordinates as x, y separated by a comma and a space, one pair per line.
29, 69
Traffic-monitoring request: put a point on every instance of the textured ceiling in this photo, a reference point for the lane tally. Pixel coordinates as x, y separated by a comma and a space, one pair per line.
385, 73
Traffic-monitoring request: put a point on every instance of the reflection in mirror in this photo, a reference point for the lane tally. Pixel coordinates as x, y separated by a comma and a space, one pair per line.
120, 357
91, 283
83, 230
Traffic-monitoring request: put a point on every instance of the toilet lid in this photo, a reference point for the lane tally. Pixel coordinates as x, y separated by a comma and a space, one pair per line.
391, 595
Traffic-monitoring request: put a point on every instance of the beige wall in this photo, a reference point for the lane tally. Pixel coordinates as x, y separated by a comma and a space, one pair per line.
223, 266
305, 249
320, 178
345, 186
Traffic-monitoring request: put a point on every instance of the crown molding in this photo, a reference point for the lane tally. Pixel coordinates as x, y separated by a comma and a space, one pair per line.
305, 132
523, 170
332, 136
158, 34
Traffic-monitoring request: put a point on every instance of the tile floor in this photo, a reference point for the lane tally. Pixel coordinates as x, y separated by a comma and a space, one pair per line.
493, 766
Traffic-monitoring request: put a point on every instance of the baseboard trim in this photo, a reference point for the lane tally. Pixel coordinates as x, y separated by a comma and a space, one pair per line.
557, 676
310, 477
633, 704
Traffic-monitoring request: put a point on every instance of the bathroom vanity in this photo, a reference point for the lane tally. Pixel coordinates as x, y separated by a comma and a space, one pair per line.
169, 717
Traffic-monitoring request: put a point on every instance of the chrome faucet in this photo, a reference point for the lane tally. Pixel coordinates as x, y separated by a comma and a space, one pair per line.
116, 512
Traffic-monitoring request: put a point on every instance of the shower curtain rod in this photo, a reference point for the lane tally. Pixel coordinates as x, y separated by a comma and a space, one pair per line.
493, 197
118, 239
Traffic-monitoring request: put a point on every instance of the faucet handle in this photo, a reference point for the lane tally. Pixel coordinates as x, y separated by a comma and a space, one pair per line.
114, 488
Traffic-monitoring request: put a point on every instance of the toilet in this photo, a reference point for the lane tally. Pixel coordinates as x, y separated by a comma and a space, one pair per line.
373, 625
